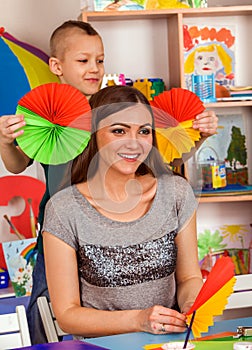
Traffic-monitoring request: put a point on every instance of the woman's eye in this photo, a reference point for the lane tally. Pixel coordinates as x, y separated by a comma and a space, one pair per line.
200, 58
145, 131
118, 131
83, 61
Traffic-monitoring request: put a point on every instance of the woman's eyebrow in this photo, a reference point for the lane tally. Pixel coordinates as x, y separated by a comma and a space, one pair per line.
128, 126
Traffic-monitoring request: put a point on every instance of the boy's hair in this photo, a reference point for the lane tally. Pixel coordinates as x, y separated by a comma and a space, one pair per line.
57, 47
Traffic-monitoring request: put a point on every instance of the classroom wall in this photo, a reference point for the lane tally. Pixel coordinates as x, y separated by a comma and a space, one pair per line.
34, 21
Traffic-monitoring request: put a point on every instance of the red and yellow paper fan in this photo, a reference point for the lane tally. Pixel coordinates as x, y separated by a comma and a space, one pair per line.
213, 296
58, 123
174, 112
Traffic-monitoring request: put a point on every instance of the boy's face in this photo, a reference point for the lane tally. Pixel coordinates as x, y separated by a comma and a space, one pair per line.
83, 63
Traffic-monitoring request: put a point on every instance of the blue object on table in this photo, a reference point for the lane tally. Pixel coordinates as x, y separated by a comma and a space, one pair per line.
8, 305
136, 341
4, 278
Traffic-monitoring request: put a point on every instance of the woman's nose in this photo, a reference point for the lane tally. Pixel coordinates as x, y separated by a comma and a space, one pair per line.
132, 142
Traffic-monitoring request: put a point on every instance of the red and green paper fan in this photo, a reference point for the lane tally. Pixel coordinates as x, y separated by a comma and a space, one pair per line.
174, 112
213, 296
58, 123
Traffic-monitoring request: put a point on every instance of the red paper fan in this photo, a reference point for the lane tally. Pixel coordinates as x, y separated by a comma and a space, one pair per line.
174, 112
58, 123
60, 104
213, 295
181, 104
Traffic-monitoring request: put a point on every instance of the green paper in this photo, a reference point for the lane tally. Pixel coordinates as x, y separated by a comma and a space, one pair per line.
215, 345
50, 143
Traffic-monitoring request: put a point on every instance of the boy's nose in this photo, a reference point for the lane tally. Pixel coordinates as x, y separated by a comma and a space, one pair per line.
93, 67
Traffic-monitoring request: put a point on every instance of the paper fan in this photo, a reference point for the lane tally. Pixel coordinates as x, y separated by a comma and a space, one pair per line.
213, 296
174, 112
58, 122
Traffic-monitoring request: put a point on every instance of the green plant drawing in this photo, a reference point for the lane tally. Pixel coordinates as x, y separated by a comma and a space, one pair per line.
237, 151
209, 241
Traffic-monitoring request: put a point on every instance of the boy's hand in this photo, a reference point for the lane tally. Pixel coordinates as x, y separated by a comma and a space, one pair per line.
206, 123
9, 124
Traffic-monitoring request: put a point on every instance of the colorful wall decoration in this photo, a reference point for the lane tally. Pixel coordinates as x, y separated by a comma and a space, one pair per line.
209, 50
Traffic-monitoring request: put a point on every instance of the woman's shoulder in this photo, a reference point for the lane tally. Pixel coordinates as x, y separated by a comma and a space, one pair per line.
173, 179
175, 184
64, 196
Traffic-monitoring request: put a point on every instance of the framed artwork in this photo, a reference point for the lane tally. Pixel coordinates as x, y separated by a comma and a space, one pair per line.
227, 147
226, 240
209, 50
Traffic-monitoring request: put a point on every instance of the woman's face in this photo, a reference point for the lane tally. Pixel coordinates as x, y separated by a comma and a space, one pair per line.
124, 139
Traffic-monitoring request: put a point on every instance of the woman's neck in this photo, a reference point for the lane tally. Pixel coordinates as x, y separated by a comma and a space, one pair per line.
124, 198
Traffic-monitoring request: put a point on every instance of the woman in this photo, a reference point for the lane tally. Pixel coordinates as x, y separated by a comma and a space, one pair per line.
120, 243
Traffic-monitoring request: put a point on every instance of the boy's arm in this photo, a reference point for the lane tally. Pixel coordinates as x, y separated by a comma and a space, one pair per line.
12, 156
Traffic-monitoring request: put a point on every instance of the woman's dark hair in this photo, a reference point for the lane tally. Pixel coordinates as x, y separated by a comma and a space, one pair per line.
105, 102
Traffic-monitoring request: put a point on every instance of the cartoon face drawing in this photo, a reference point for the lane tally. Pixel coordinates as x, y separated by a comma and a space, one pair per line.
207, 62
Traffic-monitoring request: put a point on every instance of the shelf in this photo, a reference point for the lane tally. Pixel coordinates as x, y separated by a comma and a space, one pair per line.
146, 14
229, 104
221, 199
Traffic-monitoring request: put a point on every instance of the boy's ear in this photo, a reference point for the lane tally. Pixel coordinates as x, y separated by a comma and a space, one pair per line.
55, 66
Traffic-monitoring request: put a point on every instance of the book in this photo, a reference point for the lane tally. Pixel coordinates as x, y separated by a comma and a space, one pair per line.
235, 98
240, 88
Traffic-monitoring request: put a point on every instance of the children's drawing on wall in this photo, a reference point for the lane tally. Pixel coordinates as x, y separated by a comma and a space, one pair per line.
232, 240
209, 50
229, 146
20, 258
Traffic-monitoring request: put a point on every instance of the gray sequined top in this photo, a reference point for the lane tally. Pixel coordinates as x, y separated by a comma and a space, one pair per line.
124, 265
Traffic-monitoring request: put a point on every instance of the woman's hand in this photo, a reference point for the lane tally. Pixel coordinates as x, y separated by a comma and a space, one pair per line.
9, 125
206, 123
160, 320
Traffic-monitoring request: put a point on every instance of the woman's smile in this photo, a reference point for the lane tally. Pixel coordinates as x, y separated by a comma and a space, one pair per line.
129, 157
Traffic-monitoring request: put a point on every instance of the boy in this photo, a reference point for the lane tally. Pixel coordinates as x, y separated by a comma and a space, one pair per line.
77, 58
